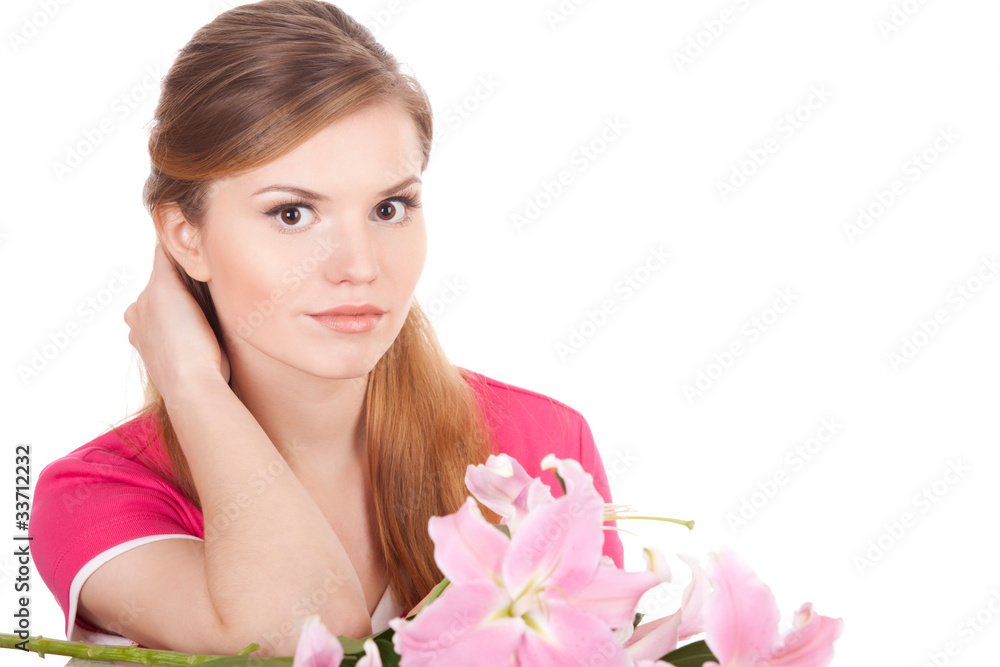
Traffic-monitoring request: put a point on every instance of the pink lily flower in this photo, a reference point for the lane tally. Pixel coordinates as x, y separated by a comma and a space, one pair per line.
656, 638
742, 622
543, 596
504, 486
317, 646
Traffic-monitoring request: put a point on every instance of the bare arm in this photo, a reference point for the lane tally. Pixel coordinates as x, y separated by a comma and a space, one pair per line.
270, 553
269, 558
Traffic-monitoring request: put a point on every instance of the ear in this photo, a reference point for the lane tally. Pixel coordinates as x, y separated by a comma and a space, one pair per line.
181, 240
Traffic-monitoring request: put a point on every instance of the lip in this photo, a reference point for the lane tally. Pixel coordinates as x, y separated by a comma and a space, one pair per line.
349, 323
350, 309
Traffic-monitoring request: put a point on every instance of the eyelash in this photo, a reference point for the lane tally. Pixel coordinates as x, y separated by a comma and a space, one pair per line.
408, 200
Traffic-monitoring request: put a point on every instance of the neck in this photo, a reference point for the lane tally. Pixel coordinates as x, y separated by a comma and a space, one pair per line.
308, 418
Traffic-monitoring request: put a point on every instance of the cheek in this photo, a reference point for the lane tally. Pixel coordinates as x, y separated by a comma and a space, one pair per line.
406, 257
247, 286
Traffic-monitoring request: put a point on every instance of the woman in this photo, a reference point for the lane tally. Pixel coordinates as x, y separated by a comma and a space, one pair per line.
302, 423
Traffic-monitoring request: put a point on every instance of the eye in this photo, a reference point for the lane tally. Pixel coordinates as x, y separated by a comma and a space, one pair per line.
292, 217
390, 210
396, 210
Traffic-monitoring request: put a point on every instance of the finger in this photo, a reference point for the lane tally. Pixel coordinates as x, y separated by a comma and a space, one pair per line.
166, 265
159, 254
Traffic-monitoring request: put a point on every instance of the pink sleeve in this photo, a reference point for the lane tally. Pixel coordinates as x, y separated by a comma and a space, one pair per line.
92, 505
590, 459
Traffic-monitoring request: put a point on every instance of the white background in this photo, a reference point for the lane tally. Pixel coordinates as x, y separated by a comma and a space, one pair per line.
685, 128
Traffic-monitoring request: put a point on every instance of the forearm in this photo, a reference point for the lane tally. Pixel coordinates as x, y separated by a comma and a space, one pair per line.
271, 557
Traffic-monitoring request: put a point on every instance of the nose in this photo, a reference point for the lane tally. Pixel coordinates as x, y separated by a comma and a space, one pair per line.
350, 252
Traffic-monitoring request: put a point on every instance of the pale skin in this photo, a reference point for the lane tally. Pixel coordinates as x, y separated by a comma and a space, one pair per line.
286, 441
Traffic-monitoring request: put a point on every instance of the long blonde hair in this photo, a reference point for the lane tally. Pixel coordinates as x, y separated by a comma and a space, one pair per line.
251, 85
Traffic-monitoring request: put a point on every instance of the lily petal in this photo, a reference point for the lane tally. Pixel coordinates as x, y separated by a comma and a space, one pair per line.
497, 483
810, 642
531, 496
464, 626
371, 658
654, 639
560, 542
657, 638
693, 600
568, 636
317, 646
741, 616
466, 546
552, 548
612, 595
657, 563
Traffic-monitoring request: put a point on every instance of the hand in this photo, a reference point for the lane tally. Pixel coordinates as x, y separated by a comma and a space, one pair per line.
170, 331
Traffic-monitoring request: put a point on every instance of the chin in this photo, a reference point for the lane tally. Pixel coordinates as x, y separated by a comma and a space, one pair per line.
346, 367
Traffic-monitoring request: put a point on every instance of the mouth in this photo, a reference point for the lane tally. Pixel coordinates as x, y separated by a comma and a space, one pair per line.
358, 323
350, 310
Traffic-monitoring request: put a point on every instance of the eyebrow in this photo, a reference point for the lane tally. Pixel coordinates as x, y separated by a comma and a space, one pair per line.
309, 195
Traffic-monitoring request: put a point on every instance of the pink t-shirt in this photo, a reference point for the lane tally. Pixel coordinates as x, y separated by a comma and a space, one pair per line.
100, 500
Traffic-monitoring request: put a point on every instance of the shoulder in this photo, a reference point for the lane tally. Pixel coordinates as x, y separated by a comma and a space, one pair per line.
527, 424
130, 453
100, 500
519, 407
116, 478
102, 494
517, 402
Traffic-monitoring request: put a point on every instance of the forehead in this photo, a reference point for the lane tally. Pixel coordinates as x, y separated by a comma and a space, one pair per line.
368, 150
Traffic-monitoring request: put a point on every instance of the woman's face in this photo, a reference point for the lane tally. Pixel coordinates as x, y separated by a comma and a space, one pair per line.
334, 222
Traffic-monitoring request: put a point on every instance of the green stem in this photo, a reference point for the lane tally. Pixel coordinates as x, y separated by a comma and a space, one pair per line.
689, 523
143, 656
438, 590
435, 592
